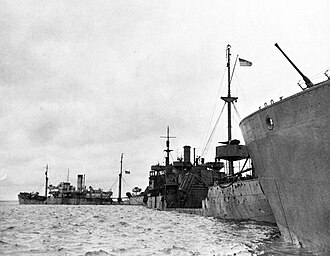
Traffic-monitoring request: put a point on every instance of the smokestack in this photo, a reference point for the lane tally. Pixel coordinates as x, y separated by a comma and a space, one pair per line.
80, 182
186, 154
194, 156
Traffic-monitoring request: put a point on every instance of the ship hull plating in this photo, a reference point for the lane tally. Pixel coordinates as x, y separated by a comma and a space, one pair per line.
289, 143
78, 201
244, 200
31, 198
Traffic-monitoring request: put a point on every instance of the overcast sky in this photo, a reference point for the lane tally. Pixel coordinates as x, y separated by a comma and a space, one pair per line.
83, 81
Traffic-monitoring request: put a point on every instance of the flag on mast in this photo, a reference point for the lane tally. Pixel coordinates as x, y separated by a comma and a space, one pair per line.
244, 63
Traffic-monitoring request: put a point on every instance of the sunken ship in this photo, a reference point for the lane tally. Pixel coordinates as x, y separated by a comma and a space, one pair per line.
238, 195
182, 184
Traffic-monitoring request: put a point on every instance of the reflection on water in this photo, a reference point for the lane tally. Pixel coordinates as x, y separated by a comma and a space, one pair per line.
129, 230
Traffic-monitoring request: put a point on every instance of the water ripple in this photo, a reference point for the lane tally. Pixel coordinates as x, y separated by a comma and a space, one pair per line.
130, 230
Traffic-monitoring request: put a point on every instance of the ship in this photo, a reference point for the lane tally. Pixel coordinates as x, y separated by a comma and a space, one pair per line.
181, 185
288, 141
137, 198
34, 197
31, 198
204, 188
67, 194
238, 195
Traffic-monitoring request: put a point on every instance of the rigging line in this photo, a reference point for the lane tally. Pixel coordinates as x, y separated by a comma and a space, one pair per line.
171, 157
114, 183
320, 74
126, 184
236, 128
232, 74
41, 187
212, 133
162, 158
241, 89
236, 111
215, 106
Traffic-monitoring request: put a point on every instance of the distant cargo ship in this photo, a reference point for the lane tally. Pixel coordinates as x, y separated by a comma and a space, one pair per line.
289, 144
66, 193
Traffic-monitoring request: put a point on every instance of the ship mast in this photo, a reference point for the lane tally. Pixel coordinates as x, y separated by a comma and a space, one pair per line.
46, 174
229, 94
167, 150
120, 177
229, 100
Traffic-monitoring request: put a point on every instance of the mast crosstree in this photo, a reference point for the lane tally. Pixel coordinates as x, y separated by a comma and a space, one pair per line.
167, 150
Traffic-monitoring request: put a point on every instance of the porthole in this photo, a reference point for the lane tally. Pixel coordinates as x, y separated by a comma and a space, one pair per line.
269, 123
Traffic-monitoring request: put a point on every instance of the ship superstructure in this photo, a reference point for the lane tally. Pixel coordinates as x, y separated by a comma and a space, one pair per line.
66, 193
181, 184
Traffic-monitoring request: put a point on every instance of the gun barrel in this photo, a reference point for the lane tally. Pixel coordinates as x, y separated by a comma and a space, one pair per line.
305, 78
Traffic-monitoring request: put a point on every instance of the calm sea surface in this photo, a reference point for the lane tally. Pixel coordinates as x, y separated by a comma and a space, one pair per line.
129, 230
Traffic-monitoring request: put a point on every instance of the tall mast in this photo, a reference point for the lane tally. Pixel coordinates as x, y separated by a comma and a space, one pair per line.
229, 93
229, 100
46, 174
167, 150
120, 177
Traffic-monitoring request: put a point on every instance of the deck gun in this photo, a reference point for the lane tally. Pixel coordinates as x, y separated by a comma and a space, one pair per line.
306, 79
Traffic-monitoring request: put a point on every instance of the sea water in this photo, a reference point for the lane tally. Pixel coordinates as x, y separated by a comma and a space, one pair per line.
130, 230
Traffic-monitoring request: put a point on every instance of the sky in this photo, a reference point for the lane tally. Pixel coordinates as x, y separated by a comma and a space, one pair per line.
82, 82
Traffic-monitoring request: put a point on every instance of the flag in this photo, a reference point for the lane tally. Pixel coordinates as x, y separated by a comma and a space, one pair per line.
127, 172
244, 63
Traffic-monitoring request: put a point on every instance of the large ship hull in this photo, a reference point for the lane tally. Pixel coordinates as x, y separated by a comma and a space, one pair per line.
243, 200
289, 143
31, 198
66, 201
78, 201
